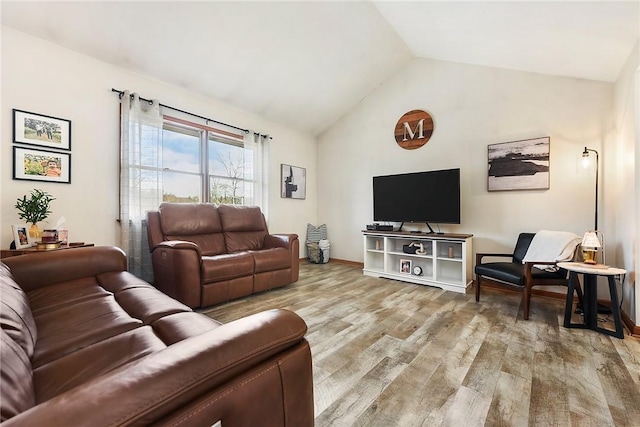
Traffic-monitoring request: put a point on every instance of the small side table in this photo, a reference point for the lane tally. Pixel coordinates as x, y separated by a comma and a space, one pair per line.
590, 275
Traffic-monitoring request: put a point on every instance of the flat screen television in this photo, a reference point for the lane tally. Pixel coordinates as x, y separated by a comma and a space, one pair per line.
431, 196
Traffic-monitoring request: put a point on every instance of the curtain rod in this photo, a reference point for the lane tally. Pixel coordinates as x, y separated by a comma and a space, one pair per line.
121, 92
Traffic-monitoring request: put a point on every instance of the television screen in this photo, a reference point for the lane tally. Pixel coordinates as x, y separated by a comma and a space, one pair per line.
432, 196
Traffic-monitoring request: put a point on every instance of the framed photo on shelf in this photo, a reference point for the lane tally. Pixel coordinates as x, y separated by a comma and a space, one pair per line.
293, 182
41, 165
44, 131
519, 165
21, 236
405, 266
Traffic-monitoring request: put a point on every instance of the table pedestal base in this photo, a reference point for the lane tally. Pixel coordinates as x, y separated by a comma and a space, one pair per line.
590, 307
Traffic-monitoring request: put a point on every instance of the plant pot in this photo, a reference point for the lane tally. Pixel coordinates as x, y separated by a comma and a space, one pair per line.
34, 232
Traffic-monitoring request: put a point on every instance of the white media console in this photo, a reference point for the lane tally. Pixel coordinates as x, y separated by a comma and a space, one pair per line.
445, 264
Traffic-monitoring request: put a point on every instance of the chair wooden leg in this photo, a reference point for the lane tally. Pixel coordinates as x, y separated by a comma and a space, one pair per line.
477, 288
526, 301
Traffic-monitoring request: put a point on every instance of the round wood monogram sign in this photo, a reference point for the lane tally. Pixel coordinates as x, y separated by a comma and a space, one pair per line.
414, 129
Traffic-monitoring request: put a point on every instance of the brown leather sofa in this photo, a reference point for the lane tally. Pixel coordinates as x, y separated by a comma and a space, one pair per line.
84, 343
204, 254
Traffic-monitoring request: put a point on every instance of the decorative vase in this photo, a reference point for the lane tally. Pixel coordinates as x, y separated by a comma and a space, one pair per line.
34, 232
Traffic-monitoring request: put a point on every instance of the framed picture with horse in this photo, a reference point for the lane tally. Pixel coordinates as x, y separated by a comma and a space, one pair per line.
44, 131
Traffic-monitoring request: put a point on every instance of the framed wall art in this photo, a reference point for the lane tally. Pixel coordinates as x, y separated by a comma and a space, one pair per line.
41, 165
21, 236
293, 182
44, 131
519, 165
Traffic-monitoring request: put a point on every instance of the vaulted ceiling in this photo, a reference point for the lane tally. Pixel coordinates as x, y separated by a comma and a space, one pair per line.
306, 63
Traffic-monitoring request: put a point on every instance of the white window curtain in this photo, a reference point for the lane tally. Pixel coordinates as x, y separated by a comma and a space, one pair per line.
256, 159
140, 177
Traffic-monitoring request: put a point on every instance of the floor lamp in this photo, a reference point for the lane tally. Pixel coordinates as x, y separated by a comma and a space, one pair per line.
585, 162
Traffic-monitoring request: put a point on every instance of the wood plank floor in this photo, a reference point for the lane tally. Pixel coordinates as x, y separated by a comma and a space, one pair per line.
388, 353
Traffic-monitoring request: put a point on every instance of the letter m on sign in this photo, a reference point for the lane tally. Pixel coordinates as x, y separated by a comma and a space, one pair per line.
414, 129
419, 130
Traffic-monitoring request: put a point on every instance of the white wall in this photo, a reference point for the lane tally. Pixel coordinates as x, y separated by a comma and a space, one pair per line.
41, 77
472, 106
622, 182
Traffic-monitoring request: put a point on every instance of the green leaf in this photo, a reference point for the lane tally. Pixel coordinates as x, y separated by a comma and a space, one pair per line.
35, 208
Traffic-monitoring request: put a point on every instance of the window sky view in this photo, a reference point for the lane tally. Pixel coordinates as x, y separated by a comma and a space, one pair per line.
182, 166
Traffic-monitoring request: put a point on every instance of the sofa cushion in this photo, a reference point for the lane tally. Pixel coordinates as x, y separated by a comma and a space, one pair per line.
64, 330
15, 313
117, 318
138, 298
66, 294
188, 219
244, 241
209, 244
177, 327
271, 259
241, 218
93, 361
197, 223
228, 266
15, 377
244, 227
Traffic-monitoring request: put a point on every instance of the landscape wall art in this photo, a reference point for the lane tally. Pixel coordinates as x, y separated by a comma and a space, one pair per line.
519, 165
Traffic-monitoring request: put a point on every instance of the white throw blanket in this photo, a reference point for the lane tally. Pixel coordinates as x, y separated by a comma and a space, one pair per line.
551, 246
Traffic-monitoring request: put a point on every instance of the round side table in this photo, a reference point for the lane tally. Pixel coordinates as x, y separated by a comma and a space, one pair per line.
590, 278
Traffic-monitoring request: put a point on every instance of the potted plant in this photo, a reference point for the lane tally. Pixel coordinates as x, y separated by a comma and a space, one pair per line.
34, 209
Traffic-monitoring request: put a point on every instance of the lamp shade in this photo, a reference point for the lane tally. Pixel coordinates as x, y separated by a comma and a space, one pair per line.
590, 240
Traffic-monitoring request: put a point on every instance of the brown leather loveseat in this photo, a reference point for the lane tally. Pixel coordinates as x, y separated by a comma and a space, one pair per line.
204, 254
84, 343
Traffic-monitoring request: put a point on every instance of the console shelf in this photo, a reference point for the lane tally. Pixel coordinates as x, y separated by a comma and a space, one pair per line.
445, 263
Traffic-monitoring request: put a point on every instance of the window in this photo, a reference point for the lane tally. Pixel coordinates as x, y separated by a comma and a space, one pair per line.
181, 174
228, 181
169, 159
205, 164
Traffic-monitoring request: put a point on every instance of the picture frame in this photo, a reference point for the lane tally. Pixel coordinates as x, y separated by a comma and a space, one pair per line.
21, 236
405, 266
41, 165
293, 181
40, 130
519, 165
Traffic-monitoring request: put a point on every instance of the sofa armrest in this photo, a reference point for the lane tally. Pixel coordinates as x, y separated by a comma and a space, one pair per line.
177, 271
178, 244
184, 375
279, 240
50, 267
292, 244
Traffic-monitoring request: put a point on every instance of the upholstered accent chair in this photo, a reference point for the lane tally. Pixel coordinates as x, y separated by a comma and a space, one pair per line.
519, 274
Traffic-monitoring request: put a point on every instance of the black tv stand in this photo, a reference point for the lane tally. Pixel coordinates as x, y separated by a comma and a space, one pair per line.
428, 232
